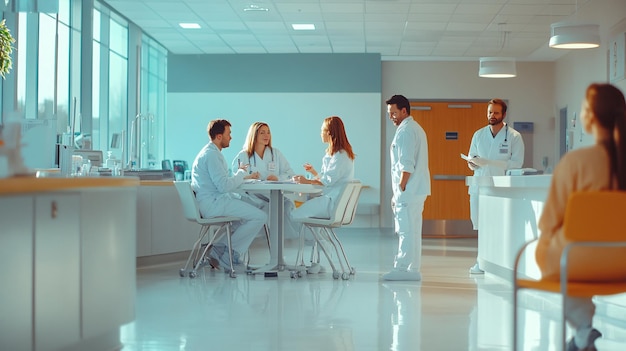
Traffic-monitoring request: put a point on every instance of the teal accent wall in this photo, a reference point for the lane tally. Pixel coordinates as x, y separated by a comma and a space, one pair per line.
274, 73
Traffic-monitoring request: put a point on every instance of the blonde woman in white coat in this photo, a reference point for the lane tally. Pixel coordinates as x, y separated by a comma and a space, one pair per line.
259, 156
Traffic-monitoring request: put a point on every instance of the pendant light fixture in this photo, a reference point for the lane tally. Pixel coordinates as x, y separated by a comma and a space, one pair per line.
574, 35
498, 67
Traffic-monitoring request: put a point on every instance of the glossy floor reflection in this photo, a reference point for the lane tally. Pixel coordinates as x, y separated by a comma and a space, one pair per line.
448, 310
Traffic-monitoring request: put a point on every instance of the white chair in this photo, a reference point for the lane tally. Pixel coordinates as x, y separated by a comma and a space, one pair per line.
342, 214
593, 261
212, 228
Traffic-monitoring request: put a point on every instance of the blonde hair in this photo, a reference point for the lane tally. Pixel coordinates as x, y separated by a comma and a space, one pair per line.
253, 133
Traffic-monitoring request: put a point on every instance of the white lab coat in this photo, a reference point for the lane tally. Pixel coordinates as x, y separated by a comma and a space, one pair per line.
502, 152
499, 153
409, 153
273, 162
336, 171
215, 193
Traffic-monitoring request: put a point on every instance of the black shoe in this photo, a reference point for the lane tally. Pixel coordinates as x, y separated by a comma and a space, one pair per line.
591, 339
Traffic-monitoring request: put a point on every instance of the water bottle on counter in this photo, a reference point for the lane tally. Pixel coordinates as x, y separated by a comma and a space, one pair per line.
77, 164
110, 161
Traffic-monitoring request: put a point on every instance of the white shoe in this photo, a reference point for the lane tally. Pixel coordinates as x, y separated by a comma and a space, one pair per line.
402, 275
315, 268
475, 269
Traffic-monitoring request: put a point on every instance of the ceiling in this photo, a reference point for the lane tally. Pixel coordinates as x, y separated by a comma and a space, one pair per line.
416, 30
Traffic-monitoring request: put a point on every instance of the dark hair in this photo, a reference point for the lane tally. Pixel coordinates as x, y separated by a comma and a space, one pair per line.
217, 127
338, 138
401, 102
498, 102
607, 104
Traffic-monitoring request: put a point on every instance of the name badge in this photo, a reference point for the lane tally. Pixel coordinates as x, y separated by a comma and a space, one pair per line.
271, 166
504, 149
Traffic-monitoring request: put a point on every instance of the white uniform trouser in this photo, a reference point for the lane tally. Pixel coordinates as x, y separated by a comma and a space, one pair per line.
474, 210
579, 312
316, 207
244, 231
408, 226
291, 230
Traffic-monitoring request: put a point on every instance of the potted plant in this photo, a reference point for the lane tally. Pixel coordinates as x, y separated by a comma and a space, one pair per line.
10, 160
6, 48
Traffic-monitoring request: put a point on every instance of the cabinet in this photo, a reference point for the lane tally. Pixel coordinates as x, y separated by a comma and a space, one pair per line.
57, 270
40, 243
161, 225
16, 239
67, 248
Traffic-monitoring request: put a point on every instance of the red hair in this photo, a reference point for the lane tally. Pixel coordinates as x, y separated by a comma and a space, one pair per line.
338, 138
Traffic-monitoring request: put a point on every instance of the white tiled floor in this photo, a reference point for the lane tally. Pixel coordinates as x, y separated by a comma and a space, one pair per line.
447, 310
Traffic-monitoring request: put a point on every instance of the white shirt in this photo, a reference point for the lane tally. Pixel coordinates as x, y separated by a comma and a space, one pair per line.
273, 162
210, 178
337, 170
409, 153
504, 151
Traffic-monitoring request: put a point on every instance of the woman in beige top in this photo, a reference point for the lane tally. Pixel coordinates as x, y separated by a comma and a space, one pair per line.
601, 166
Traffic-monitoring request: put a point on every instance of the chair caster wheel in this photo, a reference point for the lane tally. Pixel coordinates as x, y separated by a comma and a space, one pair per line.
182, 272
345, 275
293, 275
335, 275
193, 274
233, 275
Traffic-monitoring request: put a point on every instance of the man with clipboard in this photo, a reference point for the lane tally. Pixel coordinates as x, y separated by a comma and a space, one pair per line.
494, 149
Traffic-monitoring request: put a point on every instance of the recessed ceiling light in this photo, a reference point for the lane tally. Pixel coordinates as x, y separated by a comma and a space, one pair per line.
189, 25
255, 8
303, 26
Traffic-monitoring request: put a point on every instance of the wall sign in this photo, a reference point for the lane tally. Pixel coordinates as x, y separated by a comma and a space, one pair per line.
452, 135
617, 51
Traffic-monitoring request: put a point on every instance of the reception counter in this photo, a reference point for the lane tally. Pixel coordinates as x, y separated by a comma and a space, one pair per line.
67, 246
508, 210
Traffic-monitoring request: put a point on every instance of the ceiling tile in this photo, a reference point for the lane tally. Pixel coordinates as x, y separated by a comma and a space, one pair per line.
426, 29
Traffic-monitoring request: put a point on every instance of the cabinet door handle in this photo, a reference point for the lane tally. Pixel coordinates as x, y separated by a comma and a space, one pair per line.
53, 209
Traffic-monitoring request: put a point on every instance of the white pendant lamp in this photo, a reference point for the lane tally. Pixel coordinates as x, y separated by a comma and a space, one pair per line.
574, 36
497, 67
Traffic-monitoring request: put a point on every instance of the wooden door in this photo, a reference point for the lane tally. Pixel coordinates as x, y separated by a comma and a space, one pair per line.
449, 127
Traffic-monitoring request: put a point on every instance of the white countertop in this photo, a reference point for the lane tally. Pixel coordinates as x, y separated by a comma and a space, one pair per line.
524, 181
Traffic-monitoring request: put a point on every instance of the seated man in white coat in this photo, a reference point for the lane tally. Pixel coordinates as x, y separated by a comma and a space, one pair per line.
215, 192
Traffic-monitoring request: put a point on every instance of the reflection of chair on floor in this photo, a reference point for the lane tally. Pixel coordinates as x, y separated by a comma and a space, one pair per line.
213, 228
593, 263
323, 231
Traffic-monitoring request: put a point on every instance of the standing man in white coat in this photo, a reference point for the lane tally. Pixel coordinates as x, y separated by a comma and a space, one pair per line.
215, 192
410, 180
494, 149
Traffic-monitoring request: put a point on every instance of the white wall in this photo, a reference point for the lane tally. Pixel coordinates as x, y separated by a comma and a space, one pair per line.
294, 119
579, 68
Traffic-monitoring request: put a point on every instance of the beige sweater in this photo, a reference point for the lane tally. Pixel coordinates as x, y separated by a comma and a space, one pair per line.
585, 169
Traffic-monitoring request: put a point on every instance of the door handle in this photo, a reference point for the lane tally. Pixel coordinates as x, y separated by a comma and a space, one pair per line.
448, 177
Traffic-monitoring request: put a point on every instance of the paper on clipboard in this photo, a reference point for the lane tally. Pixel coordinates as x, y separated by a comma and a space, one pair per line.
465, 157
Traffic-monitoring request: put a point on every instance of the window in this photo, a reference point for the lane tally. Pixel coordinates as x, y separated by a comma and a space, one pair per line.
53, 73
